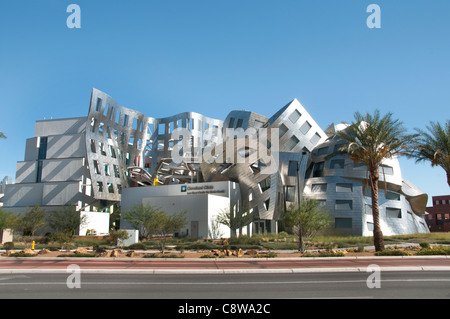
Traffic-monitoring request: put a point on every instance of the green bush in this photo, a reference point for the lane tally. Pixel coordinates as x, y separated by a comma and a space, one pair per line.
8, 246
424, 245
392, 253
325, 254
434, 251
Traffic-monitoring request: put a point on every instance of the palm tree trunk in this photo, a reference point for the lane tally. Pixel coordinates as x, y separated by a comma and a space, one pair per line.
378, 239
448, 178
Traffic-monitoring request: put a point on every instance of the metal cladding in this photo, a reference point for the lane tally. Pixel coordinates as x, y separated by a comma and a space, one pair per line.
275, 160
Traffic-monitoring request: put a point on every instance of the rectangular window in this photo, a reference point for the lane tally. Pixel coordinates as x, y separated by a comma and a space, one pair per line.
343, 205
319, 188
386, 170
369, 226
392, 195
315, 139
305, 128
293, 141
239, 123
282, 130
343, 222
344, 187
290, 193
393, 212
318, 169
39, 172
264, 184
231, 123
42, 147
294, 116
292, 169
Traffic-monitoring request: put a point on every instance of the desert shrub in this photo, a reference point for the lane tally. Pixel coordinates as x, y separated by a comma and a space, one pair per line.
325, 254
393, 252
424, 245
434, 251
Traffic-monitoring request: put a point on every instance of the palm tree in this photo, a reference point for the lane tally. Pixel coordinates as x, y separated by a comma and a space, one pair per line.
371, 139
434, 146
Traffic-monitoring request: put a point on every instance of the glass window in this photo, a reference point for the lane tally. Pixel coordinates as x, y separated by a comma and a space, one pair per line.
386, 170
293, 141
315, 139
292, 169
343, 205
318, 188
231, 123
344, 187
282, 130
393, 212
305, 128
392, 195
343, 222
318, 169
264, 184
294, 116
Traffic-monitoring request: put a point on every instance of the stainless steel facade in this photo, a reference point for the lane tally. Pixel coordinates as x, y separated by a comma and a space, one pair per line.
126, 148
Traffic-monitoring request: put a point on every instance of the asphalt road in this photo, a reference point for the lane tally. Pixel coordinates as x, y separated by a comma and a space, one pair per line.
225, 287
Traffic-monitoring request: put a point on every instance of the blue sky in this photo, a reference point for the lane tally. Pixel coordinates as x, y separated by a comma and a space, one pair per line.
212, 56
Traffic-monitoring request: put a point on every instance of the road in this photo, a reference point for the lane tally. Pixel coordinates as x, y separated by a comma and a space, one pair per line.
396, 284
221, 280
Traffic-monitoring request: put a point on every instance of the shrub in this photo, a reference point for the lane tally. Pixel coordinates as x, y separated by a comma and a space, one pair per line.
424, 245
8, 246
325, 254
394, 252
154, 255
434, 251
266, 255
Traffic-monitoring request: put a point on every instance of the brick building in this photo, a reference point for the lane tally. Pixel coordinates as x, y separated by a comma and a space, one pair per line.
438, 218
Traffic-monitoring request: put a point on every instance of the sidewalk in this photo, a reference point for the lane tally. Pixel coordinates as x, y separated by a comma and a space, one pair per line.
16, 265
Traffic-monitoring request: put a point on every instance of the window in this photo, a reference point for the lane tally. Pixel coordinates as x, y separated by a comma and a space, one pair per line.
264, 184
337, 164
294, 116
290, 193
282, 130
315, 139
318, 188
305, 128
239, 123
368, 209
100, 187
293, 141
231, 123
39, 172
369, 226
343, 222
393, 212
343, 205
318, 169
292, 169
42, 148
386, 170
392, 195
344, 187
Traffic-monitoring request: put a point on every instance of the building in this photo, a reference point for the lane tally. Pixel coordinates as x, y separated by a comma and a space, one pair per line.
438, 217
6, 180
119, 156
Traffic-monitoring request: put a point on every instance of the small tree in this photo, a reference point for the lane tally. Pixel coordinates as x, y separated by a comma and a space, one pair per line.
7, 219
163, 225
139, 216
234, 221
32, 220
66, 220
308, 217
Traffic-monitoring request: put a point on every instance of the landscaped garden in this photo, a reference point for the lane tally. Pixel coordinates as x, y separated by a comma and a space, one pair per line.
263, 246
